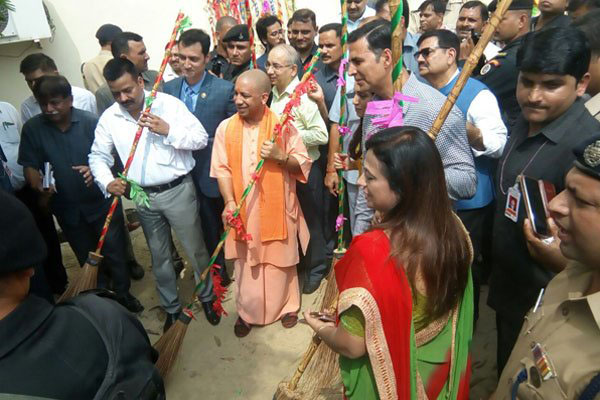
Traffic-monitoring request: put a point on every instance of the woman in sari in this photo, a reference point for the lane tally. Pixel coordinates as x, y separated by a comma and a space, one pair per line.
405, 309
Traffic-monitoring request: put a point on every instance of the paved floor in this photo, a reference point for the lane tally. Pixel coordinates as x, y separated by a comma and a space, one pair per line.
214, 364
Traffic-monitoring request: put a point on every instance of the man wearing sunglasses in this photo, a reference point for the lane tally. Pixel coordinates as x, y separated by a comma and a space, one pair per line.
437, 58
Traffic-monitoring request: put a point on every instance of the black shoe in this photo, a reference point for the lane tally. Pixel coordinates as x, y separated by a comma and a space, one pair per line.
211, 315
311, 287
131, 303
170, 320
136, 271
178, 264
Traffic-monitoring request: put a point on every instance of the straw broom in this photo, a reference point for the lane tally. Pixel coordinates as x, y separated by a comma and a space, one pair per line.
88, 278
169, 344
314, 371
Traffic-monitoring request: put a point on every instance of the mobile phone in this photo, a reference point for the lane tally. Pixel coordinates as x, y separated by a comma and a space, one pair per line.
475, 36
536, 195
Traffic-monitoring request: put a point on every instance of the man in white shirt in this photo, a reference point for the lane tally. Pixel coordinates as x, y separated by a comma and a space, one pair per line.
437, 57
358, 10
10, 137
282, 68
161, 166
36, 65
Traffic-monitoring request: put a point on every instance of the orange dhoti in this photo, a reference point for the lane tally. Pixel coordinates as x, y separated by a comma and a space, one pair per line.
265, 292
265, 268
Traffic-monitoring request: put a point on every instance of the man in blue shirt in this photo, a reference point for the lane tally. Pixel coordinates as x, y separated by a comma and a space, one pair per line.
210, 99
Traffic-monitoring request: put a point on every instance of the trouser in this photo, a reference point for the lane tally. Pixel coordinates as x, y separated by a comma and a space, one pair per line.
351, 195
175, 208
363, 214
508, 328
83, 238
54, 270
310, 196
211, 209
478, 223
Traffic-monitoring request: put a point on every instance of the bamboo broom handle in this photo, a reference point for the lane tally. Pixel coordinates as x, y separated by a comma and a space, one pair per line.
467, 70
396, 11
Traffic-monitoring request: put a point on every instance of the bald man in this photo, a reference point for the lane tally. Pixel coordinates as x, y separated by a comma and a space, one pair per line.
264, 262
218, 62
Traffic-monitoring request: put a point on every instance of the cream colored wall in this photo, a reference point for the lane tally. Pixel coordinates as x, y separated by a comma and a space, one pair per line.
76, 23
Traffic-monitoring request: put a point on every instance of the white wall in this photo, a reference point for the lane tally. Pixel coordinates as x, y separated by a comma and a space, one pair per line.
76, 23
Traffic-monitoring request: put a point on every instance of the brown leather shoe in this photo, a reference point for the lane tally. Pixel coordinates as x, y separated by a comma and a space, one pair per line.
289, 320
241, 328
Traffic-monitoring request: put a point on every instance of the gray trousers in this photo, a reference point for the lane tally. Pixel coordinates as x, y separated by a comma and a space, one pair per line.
176, 209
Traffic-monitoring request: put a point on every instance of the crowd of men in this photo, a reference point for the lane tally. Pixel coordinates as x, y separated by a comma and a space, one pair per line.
531, 107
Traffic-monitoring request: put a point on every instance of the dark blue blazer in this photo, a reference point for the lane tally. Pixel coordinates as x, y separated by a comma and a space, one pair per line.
216, 106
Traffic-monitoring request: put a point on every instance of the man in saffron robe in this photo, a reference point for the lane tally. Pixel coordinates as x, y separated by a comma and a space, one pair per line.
264, 263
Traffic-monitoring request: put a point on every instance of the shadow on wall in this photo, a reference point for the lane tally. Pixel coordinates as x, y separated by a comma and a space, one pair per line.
60, 47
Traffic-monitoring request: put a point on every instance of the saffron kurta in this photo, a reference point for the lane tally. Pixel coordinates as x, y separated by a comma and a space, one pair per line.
265, 272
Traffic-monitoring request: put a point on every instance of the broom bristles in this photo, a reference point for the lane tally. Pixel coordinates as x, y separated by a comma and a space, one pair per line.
319, 367
169, 344
87, 279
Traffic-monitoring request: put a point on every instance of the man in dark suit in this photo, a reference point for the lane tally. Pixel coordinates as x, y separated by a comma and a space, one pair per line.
210, 99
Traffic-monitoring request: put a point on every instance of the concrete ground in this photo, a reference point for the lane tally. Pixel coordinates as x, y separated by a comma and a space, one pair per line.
214, 364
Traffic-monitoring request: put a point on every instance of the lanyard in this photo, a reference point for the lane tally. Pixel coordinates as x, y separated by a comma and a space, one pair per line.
524, 168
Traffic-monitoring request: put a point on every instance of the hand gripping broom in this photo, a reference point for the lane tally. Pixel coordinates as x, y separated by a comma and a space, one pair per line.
170, 342
88, 277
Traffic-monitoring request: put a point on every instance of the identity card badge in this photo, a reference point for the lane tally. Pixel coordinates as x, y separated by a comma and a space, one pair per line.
513, 200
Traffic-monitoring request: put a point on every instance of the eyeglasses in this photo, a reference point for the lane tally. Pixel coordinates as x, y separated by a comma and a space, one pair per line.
426, 52
274, 34
276, 67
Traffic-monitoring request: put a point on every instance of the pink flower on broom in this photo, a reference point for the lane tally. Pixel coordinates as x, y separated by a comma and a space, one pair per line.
218, 289
254, 177
188, 312
237, 224
344, 130
339, 222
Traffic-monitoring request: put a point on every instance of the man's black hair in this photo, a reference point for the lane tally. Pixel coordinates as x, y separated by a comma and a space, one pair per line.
36, 61
120, 44
334, 26
589, 24
483, 10
305, 15
405, 10
192, 36
377, 33
590, 4
50, 86
446, 40
557, 51
379, 5
438, 6
263, 24
117, 67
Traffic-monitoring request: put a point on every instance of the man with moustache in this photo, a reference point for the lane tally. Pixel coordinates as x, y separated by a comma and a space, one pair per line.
239, 52
500, 73
210, 99
553, 76
218, 63
472, 18
371, 66
173, 68
265, 262
358, 10
282, 70
63, 135
162, 168
270, 33
557, 351
130, 46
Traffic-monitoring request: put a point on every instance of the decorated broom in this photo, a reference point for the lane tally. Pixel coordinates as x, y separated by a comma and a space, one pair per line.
169, 344
250, 32
470, 64
88, 277
318, 367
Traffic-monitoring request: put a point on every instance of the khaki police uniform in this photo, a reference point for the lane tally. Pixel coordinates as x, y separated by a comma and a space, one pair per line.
593, 106
557, 353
